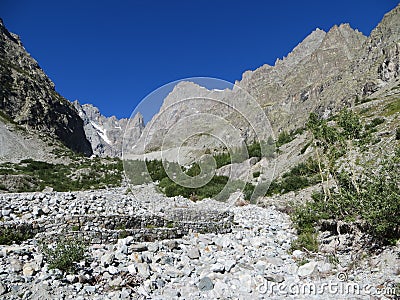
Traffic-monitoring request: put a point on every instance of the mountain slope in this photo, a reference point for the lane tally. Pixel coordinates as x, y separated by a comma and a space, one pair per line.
29, 98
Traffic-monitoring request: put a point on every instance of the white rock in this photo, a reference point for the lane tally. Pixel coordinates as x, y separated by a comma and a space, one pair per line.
112, 270
143, 270
218, 267
324, 267
307, 269
28, 269
298, 254
132, 269
107, 259
229, 264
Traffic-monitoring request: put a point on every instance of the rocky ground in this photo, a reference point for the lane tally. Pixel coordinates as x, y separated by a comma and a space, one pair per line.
191, 259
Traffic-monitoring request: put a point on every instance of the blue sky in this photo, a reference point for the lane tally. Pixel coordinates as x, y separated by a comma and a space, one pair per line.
114, 53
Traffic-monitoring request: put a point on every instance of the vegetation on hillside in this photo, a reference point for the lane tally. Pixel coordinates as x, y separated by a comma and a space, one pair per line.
81, 174
219, 187
353, 191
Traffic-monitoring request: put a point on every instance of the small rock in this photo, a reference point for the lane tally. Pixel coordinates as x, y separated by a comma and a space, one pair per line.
112, 270
71, 278
138, 247
152, 247
89, 288
298, 254
229, 264
324, 267
260, 267
123, 249
132, 269
120, 256
141, 291
307, 269
275, 278
3, 289
15, 265
171, 244
107, 259
28, 270
143, 270
37, 211
187, 270
193, 253
38, 259
218, 267
6, 212
205, 284
116, 282
245, 283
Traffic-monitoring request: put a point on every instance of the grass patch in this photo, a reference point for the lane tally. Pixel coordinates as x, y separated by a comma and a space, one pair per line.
374, 123
80, 175
300, 176
9, 236
286, 137
393, 107
305, 240
255, 149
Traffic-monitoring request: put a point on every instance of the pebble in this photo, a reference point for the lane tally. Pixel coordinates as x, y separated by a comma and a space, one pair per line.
205, 284
193, 253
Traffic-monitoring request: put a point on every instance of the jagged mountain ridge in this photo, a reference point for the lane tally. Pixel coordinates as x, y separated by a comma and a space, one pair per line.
324, 73
106, 134
28, 96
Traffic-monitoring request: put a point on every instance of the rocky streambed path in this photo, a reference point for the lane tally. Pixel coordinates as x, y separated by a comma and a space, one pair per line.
141, 245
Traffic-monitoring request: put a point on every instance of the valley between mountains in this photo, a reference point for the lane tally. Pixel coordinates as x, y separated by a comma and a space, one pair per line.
286, 186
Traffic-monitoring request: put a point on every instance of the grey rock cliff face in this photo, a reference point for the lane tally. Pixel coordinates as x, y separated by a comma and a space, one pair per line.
28, 96
324, 73
106, 134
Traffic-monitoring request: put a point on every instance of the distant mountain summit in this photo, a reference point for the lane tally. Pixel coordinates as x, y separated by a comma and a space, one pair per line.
28, 97
106, 134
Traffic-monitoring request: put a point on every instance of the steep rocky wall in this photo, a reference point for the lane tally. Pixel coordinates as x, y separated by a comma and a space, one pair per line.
28, 96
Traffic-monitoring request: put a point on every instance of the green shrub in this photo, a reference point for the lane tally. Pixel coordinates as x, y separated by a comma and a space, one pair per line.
375, 122
65, 254
283, 138
9, 236
398, 133
300, 176
256, 174
222, 159
372, 196
305, 240
350, 124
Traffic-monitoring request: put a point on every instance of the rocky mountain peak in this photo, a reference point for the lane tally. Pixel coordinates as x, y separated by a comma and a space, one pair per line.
302, 50
388, 30
343, 38
106, 134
